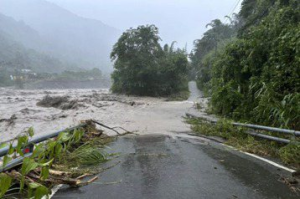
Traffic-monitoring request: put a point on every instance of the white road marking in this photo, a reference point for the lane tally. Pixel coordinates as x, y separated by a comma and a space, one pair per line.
263, 159
54, 190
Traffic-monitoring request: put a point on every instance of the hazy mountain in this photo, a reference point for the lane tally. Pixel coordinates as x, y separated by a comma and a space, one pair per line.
14, 55
20, 32
85, 42
17, 44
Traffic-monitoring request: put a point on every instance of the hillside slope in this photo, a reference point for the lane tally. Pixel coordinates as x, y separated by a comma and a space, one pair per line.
13, 55
69, 37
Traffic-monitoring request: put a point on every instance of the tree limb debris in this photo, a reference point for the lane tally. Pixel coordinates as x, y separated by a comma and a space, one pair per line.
110, 128
63, 170
58, 177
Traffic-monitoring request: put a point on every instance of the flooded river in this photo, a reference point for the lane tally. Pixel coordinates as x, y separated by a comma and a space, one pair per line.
144, 115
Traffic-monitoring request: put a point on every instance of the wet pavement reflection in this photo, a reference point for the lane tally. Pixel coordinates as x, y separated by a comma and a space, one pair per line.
157, 166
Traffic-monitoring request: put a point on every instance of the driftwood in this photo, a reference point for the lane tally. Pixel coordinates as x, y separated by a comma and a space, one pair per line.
58, 173
111, 128
73, 182
32, 177
54, 172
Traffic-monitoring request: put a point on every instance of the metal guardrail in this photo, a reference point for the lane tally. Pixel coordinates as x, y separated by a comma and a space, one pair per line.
15, 162
31, 142
42, 138
257, 127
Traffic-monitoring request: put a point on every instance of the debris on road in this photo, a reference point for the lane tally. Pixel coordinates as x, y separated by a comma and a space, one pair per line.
72, 158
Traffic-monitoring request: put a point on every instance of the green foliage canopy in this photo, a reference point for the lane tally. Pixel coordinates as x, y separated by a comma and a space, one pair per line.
143, 67
255, 77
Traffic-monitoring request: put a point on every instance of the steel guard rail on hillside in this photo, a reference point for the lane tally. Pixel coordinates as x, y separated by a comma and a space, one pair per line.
257, 127
39, 139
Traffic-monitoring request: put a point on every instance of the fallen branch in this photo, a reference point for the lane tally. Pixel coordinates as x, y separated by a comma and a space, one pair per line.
84, 176
88, 182
63, 180
103, 125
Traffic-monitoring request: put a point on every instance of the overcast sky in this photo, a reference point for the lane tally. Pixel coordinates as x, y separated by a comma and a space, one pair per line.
178, 20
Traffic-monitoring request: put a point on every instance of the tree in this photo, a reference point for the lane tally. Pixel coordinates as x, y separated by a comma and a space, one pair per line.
136, 55
206, 48
143, 67
256, 76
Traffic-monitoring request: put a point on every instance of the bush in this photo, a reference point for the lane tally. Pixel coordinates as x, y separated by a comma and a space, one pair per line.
256, 77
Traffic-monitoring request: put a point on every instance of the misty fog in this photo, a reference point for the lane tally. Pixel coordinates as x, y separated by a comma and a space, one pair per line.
81, 33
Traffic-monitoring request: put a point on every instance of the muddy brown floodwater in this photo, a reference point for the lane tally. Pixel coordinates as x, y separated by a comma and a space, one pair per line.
144, 115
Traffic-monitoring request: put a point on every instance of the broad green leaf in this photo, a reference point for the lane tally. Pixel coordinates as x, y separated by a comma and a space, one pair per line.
28, 165
58, 150
6, 160
11, 150
63, 137
5, 183
41, 192
46, 164
3, 145
31, 132
45, 173
38, 150
22, 141
34, 185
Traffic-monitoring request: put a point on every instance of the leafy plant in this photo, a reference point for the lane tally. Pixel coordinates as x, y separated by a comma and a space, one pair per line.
254, 77
5, 182
235, 136
88, 155
67, 144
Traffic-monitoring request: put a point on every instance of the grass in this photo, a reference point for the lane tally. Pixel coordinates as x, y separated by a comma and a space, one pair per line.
91, 153
236, 137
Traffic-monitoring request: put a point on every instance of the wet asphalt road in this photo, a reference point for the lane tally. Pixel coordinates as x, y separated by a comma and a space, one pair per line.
156, 166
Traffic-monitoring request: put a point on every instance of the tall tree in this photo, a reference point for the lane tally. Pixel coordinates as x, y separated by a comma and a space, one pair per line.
143, 67
136, 55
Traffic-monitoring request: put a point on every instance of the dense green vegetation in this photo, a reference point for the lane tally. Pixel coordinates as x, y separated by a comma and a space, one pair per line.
72, 152
251, 67
143, 67
237, 137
